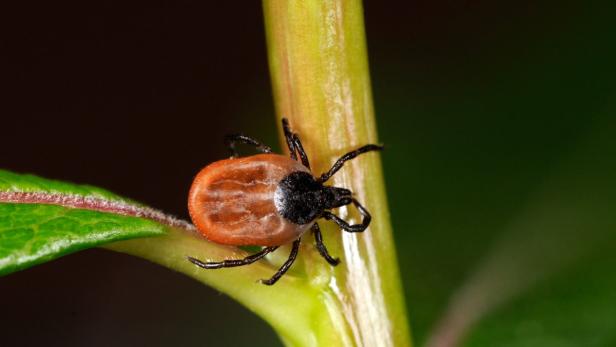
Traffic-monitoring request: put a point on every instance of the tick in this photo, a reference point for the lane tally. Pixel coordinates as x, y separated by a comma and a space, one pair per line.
268, 200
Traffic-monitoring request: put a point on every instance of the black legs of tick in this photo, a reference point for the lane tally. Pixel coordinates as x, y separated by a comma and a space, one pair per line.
287, 264
288, 135
338, 164
355, 228
233, 262
294, 144
321, 247
251, 259
231, 140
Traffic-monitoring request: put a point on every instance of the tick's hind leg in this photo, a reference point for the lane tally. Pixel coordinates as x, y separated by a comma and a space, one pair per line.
233, 262
287, 264
321, 247
231, 140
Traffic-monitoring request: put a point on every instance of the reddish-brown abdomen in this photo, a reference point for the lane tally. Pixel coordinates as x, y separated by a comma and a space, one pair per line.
232, 201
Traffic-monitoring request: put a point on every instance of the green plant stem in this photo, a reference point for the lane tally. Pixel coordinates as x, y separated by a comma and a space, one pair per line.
319, 67
297, 311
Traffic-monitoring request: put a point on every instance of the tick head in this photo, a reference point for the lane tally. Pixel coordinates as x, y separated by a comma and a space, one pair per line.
301, 199
335, 197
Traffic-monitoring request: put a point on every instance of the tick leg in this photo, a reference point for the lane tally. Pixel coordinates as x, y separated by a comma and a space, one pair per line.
233, 262
288, 135
321, 247
338, 164
355, 228
287, 264
294, 144
300, 151
231, 140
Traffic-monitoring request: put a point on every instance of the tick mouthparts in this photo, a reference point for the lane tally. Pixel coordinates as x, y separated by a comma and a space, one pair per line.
339, 192
340, 197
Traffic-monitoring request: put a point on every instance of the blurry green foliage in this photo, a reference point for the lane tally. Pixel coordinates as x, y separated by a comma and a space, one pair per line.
508, 145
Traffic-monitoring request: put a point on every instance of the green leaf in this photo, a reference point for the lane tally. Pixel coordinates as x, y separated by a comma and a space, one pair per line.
34, 233
13, 182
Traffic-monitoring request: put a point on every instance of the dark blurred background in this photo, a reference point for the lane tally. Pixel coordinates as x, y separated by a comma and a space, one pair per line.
500, 123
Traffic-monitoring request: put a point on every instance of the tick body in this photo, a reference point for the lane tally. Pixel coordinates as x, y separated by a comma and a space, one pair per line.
233, 201
268, 200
